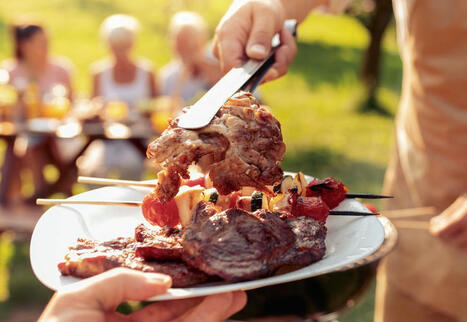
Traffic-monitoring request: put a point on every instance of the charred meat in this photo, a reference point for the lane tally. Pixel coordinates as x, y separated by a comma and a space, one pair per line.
234, 244
242, 146
158, 244
88, 258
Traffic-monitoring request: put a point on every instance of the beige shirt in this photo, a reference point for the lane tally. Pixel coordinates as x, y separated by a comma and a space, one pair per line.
429, 163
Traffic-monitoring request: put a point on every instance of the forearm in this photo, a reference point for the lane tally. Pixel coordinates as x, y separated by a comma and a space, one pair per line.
299, 9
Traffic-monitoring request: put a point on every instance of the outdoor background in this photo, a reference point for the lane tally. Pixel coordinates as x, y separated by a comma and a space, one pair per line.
317, 103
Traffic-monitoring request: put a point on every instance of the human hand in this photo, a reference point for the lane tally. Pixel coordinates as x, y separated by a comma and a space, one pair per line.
246, 31
451, 225
96, 298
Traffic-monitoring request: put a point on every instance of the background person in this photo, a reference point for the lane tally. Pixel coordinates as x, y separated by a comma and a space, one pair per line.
122, 77
35, 75
425, 278
193, 70
32, 62
96, 298
121, 81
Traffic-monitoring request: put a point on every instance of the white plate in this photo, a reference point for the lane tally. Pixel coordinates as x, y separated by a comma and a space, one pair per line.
349, 239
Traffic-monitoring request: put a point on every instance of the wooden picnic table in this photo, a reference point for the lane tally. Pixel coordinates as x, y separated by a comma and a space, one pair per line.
137, 134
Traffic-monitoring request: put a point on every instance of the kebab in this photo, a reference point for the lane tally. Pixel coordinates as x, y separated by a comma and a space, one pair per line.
241, 220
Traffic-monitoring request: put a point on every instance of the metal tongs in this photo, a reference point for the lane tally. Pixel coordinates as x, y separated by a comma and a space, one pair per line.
246, 77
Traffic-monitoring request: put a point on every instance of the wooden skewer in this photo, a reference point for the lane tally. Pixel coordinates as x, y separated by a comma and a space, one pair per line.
115, 182
351, 213
50, 202
410, 212
412, 224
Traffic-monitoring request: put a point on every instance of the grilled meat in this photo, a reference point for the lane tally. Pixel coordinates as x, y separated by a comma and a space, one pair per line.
309, 246
88, 258
158, 244
242, 146
234, 244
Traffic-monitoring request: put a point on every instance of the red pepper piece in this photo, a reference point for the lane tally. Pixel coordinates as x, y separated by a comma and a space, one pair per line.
158, 213
330, 190
313, 207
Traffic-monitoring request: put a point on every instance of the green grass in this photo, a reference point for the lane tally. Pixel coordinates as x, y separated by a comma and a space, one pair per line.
317, 102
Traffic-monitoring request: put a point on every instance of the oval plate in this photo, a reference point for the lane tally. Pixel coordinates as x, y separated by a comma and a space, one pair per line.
349, 240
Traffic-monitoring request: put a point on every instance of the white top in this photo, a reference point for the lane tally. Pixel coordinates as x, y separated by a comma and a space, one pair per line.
130, 93
172, 76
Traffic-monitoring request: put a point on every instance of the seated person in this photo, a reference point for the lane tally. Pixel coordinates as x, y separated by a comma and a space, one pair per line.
35, 74
193, 70
121, 77
32, 63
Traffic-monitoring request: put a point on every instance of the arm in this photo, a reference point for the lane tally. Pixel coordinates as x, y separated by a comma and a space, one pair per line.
95, 85
153, 85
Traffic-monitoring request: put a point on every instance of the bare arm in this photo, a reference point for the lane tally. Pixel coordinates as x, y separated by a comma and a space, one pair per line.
153, 85
95, 85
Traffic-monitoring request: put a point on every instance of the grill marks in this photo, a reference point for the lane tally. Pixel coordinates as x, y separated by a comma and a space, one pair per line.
233, 245
242, 146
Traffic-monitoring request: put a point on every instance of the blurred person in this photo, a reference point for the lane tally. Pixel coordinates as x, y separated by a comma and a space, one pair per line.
96, 299
194, 69
425, 277
122, 77
36, 75
121, 81
32, 62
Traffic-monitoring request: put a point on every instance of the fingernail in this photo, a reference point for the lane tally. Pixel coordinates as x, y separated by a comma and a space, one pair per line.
257, 49
158, 278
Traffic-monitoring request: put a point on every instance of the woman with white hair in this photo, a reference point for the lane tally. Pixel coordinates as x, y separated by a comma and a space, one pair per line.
194, 69
122, 78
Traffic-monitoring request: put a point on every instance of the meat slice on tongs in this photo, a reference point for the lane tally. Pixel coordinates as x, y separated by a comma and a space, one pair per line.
241, 146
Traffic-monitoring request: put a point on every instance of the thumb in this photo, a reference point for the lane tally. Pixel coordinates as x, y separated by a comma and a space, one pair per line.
262, 31
107, 290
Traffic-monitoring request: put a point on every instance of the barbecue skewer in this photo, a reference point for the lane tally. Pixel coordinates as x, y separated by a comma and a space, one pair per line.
412, 224
116, 182
366, 196
51, 202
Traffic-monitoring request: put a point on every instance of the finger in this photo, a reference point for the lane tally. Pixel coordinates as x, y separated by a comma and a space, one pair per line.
238, 303
230, 44
266, 21
284, 56
230, 54
109, 289
445, 227
213, 308
259, 41
166, 310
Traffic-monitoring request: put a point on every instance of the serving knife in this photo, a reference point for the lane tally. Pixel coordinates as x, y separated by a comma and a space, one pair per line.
246, 77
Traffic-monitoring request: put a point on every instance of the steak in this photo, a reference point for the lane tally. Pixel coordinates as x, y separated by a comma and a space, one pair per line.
309, 246
241, 146
88, 258
158, 244
234, 244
